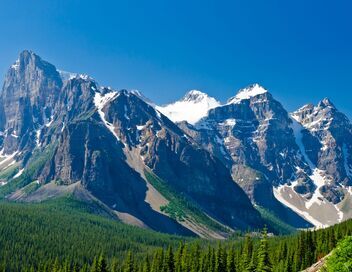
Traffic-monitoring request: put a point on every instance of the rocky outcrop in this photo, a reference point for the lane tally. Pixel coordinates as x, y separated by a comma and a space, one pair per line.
273, 154
30, 92
97, 136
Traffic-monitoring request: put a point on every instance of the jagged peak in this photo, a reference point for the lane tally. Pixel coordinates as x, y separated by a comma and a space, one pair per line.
247, 93
195, 96
191, 108
326, 102
73, 76
28, 57
23, 58
305, 108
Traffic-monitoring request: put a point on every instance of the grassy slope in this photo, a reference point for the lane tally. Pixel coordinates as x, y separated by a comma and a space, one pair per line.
274, 223
180, 208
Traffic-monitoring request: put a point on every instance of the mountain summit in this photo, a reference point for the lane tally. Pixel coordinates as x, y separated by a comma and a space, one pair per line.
191, 108
193, 167
65, 134
246, 93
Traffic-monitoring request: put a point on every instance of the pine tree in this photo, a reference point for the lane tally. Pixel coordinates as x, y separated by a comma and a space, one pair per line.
157, 263
247, 252
129, 263
169, 265
56, 266
178, 258
219, 259
264, 264
230, 261
102, 266
146, 265
195, 257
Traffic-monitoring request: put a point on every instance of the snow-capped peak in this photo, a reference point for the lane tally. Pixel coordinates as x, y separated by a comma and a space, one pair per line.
326, 102
247, 93
191, 108
195, 96
316, 118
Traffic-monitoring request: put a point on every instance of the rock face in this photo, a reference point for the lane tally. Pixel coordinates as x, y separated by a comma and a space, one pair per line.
181, 168
64, 129
301, 160
31, 89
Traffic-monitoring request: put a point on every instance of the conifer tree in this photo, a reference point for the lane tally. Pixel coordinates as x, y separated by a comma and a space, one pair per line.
102, 266
129, 263
146, 265
230, 261
56, 266
169, 265
264, 264
247, 252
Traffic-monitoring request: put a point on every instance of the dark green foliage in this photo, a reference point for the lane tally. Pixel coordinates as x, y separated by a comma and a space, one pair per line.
179, 207
264, 264
275, 223
64, 235
341, 257
67, 229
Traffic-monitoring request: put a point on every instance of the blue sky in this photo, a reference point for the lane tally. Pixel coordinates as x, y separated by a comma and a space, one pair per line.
300, 50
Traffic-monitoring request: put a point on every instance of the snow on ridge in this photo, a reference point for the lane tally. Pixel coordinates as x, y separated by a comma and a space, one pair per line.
100, 101
279, 193
191, 108
19, 173
247, 93
317, 175
37, 136
307, 208
16, 65
67, 75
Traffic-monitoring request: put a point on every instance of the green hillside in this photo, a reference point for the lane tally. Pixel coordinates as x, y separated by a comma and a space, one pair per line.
66, 235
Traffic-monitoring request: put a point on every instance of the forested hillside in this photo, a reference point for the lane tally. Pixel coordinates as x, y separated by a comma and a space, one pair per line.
64, 235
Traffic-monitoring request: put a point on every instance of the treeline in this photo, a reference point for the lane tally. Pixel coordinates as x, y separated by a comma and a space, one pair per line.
288, 253
64, 235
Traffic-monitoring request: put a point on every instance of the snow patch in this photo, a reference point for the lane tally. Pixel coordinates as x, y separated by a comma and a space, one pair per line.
7, 157
50, 121
229, 122
19, 173
14, 135
65, 76
100, 101
194, 106
16, 65
37, 136
279, 193
247, 93
319, 181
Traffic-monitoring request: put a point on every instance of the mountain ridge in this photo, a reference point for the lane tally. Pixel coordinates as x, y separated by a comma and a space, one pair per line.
199, 176
105, 140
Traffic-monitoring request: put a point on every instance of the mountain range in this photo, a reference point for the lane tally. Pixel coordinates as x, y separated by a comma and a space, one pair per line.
192, 167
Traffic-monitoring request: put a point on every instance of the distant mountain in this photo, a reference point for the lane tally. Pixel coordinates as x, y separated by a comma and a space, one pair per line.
191, 108
300, 160
195, 166
63, 133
